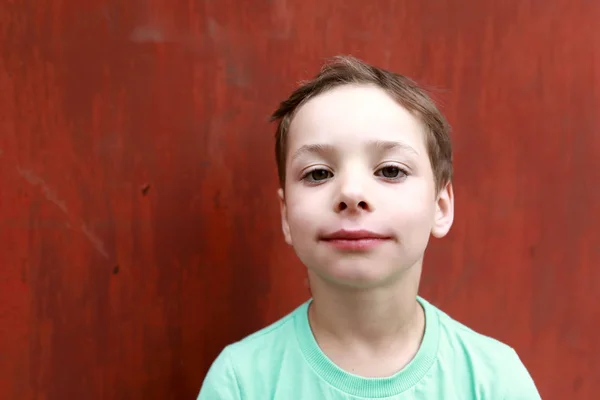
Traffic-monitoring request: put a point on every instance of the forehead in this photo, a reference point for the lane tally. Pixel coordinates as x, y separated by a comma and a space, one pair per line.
350, 115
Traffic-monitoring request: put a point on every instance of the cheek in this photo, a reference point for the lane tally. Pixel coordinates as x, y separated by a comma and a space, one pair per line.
308, 204
413, 218
301, 217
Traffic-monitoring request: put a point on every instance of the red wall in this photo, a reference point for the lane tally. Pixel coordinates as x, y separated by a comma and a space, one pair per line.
109, 290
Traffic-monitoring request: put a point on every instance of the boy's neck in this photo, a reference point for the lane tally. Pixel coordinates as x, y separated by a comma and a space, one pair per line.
373, 320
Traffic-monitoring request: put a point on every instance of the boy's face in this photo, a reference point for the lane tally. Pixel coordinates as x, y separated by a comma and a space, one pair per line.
360, 200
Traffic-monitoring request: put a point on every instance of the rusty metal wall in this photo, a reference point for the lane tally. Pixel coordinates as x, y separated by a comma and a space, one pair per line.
139, 228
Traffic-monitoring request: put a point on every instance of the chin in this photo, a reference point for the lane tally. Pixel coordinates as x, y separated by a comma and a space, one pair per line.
355, 275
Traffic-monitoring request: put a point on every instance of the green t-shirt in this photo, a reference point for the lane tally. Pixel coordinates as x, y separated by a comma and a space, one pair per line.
284, 362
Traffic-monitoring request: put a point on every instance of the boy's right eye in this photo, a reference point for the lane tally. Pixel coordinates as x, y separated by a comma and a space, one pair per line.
317, 175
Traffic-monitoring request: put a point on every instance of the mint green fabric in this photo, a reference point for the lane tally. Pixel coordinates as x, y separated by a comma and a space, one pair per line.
284, 362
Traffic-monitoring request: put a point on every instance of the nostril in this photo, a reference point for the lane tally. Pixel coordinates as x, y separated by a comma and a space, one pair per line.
363, 205
342, 206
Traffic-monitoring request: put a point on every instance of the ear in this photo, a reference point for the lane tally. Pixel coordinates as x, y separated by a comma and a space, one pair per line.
285, 227
444, 212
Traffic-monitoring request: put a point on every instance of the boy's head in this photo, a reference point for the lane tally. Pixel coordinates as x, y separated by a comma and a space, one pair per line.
365, 167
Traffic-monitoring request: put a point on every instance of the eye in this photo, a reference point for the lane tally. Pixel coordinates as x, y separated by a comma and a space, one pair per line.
392, 172
317, 175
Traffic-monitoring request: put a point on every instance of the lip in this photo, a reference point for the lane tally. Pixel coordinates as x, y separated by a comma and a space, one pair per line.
354, 239
344, 234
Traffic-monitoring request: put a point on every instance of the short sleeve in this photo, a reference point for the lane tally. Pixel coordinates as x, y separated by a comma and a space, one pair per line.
220, 381
520, 385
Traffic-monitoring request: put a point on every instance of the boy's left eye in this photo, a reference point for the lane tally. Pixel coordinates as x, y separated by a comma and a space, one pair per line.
391, 172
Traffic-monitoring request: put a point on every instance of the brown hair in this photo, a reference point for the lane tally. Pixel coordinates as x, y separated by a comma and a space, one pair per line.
343, 70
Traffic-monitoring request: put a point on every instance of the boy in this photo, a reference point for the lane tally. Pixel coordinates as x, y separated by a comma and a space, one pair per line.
365, 168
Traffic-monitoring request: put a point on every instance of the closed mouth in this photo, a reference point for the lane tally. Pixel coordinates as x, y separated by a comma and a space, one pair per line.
354, 235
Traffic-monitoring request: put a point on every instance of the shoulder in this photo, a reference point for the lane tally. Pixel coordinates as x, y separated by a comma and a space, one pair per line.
492, 365
252, 357
221, 380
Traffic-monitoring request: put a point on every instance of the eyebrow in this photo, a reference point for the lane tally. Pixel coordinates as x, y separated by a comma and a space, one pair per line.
381, 145
392, 145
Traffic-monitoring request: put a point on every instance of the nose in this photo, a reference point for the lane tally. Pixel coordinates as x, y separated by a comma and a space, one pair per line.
352, 196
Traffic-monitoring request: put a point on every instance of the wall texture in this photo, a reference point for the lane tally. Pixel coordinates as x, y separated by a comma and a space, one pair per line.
139, 226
